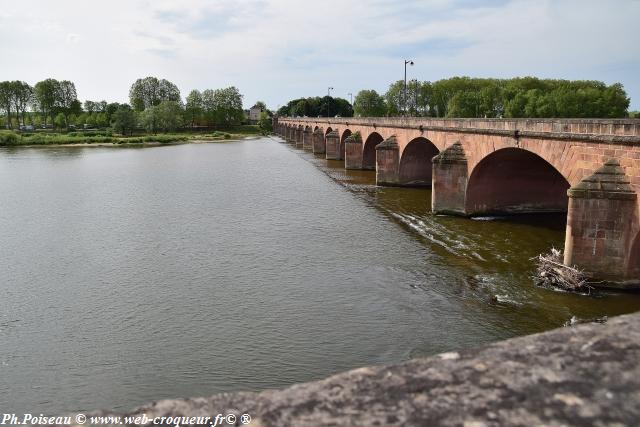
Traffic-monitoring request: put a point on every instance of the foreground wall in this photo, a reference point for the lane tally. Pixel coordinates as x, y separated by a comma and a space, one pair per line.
583, 375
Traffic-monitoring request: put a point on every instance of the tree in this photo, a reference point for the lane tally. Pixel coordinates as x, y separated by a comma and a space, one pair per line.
368, 103
60, 120
92, 120
102, 120
149, 119
265, 123
169, 115
110, 108
6, 91
90, 106
124, 119
193, 107
150, 91
224, 106
81, 119
394, 98
22, 94
66, 99
45, 97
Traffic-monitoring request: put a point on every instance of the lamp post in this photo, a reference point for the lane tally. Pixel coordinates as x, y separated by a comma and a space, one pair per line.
329, 89
410, 62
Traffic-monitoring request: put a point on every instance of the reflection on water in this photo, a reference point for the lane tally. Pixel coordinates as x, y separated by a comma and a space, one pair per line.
130, 275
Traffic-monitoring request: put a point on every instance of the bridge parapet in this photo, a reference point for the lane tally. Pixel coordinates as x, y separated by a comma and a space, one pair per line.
613, 127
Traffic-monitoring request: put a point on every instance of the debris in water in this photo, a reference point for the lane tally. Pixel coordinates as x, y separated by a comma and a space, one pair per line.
575, 321
551, 272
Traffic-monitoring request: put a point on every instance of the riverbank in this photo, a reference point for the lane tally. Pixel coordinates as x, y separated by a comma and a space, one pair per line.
11, 139
583, 375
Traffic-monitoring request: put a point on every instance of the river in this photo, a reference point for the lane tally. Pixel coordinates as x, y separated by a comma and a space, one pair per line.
134, 274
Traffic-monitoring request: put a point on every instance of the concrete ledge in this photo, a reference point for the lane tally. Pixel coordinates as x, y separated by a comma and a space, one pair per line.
583, 375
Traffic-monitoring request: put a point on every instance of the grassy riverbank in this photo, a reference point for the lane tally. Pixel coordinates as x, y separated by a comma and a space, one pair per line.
9, 138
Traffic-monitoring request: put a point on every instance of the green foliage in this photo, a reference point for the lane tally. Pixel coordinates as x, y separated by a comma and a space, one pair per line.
151, 91
166, 116
368, 103
193, 108
223, 107
265, 123
60, 121
9, 138
124, 119
518, 97
317, 107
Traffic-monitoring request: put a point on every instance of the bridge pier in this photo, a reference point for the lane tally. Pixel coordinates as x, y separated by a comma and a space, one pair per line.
602, 223
449, 181
299, 137
353, 151
332, 150
306, 139
289, 137
319, 146
388, 162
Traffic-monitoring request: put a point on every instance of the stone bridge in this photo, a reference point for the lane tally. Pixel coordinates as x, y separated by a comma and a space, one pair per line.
587, 168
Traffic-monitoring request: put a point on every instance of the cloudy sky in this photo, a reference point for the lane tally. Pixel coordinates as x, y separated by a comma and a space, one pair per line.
275, 50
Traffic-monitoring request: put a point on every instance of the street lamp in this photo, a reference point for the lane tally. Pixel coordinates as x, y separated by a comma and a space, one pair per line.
410, 62
329, 89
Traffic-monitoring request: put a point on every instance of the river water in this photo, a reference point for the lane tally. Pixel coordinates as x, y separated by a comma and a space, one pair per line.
134, 274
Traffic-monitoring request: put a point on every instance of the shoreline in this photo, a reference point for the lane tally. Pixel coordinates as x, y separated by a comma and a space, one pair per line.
137, 144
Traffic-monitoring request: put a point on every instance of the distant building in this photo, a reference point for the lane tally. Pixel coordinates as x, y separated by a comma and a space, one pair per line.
254, 114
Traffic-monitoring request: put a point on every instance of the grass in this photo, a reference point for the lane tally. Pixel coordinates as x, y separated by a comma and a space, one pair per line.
106, 137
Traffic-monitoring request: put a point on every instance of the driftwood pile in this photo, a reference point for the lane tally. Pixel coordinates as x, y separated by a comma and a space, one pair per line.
551, 272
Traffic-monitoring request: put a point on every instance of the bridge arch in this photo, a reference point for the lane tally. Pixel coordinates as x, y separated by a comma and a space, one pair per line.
633, 269
415, 163
369, 150
514, 180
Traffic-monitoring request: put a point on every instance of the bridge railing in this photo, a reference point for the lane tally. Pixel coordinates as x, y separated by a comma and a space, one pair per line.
622, 127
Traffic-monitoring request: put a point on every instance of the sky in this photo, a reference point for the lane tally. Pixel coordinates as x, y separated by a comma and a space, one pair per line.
277, 50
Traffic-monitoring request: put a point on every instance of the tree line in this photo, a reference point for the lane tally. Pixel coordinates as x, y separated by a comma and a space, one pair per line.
511, 98
317, 107
154, 104
479, 98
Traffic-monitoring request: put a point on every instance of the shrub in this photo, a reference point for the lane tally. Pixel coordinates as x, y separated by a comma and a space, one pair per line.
9, 138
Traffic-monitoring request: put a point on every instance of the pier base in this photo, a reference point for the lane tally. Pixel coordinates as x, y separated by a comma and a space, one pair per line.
319, 146
353, 151
333, 145
388, 162
299, 133
307, 139
449, 181
602, 223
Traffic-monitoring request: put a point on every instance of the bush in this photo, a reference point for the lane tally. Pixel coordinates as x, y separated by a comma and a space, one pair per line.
9, 138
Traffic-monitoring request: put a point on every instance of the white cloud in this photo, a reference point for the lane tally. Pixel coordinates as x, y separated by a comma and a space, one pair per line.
281, 49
